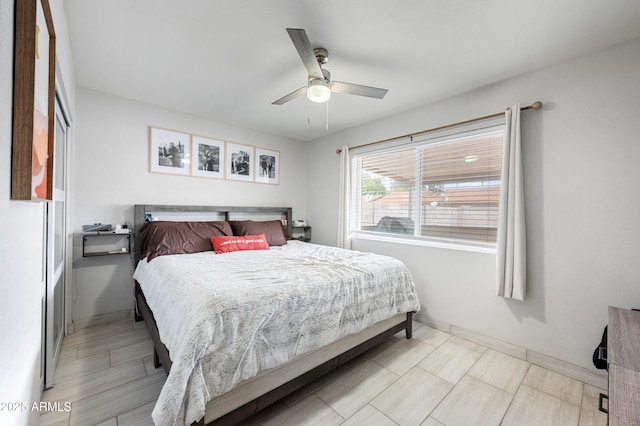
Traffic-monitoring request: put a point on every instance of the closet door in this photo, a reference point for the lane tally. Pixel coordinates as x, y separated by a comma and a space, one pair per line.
56, 250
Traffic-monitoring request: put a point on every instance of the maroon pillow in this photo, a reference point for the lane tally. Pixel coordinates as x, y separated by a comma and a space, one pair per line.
163, 238
236, 243
272, 229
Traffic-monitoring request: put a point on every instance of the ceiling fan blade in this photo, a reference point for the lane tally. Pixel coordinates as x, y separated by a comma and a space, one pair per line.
303, 46
357, 89
286, 98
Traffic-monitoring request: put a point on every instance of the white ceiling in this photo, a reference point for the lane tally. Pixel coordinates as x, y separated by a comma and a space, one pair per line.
229, 59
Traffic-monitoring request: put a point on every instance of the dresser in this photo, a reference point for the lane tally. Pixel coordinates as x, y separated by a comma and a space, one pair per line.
623, 356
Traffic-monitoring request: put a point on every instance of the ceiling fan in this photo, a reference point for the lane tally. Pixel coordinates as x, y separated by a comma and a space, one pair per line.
320, 85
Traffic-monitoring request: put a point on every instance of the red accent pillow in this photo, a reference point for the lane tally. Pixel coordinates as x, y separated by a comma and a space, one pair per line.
224, 244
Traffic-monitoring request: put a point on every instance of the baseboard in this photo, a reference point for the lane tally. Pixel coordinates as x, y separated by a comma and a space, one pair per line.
499, 345
442, 326
79, 324
597, 378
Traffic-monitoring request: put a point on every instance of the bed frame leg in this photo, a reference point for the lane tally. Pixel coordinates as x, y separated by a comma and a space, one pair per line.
136, 310
156, 359
409, 326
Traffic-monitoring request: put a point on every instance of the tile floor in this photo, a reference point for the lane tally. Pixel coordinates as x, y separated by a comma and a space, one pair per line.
107, 373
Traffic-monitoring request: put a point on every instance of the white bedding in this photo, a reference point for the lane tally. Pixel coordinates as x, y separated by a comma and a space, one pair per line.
226, 317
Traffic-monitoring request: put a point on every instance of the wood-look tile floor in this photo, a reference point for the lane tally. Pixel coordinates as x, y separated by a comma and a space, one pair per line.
107, 374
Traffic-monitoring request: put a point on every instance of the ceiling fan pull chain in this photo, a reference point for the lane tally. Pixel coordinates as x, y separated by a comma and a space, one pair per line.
326, 126
308, 112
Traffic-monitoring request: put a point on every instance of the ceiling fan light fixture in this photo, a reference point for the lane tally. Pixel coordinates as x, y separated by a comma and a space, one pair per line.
319, 83
318, 90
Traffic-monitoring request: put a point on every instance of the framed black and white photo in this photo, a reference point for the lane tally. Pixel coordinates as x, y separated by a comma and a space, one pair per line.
267, 166
210, 157
170, 151
239, 162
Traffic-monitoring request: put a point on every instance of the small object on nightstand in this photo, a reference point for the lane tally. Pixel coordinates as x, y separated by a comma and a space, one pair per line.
96, 227
121, 229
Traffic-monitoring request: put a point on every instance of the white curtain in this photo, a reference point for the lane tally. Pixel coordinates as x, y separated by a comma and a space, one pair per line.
343, 204
511, 244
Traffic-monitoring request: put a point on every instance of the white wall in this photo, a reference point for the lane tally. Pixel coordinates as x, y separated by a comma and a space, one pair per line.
21, 242
111, 174
581, 155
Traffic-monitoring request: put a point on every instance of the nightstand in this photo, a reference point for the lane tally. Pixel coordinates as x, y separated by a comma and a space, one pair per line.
105, 243
301, 233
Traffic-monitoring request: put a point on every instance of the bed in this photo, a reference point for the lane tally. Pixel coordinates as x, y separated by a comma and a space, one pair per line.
240, 315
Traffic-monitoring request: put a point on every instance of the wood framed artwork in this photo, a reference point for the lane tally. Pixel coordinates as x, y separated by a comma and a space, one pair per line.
170, 151
267, 166
239, 162
210, 157
33, 101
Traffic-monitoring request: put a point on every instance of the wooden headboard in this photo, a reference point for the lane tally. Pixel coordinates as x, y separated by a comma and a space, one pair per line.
205, 213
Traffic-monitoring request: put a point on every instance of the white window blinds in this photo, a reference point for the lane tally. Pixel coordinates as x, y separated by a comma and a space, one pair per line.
445, 188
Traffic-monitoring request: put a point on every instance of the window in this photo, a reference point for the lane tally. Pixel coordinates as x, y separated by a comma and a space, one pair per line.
433, 188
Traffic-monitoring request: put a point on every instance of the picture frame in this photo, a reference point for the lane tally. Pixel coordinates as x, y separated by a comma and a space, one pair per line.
33, 102
208, 157
170, 151
239, 162
267, 166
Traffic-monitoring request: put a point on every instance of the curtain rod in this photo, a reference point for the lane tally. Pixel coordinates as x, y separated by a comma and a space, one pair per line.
534, 106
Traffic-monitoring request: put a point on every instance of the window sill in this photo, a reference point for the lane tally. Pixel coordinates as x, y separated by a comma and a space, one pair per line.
424, 243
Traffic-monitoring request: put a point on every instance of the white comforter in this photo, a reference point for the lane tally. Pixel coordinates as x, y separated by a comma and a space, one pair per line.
226, 317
